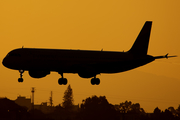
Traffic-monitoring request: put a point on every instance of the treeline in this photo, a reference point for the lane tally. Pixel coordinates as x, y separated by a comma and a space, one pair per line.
98, 108
91, 108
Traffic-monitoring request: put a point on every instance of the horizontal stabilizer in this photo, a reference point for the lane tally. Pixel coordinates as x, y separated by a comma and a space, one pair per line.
165, 56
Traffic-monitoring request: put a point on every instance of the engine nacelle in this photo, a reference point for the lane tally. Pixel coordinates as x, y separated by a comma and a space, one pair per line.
86, 74
38, 74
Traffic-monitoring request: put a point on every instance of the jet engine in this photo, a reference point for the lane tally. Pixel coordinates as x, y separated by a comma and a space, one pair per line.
86, 74
38, 74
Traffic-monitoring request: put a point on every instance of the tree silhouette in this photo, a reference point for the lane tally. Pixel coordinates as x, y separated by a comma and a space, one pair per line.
128, 110
135, 108
167, 115
125, 107
157, 114
173, 111
157, 110
178, 111
128, 107
68, 99
97, 108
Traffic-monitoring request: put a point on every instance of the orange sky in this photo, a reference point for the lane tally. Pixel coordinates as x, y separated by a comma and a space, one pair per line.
93, 25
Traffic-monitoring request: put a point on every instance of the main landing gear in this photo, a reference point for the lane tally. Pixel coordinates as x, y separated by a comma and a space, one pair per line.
21, 74
95, 81
62, 81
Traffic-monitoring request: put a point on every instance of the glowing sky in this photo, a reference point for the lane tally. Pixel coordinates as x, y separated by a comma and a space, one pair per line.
92, 25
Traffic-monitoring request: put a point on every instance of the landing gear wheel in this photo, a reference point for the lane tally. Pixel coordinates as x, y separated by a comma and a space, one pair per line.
20, 80
95, 81
62, 81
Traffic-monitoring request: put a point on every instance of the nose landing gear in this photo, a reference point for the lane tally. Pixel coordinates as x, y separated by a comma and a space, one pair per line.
95, 81
62, 81
21, 74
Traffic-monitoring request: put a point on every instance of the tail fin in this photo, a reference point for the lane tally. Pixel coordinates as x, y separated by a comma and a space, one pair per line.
140, 46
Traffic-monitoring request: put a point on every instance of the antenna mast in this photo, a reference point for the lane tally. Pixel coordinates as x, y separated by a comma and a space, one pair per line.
50, 99
32, 99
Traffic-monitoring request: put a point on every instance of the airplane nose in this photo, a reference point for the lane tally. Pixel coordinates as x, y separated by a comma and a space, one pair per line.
11, 62
4, 62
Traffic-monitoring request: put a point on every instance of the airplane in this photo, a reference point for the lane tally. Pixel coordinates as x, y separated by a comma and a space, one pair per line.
86, 63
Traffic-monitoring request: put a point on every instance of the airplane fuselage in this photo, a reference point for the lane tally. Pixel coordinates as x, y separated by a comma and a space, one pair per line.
73, 61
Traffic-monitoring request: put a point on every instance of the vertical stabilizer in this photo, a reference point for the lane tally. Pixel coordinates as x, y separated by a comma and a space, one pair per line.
140, 46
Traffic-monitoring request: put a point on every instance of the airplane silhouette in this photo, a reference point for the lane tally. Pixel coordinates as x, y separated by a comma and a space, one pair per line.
87, 63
